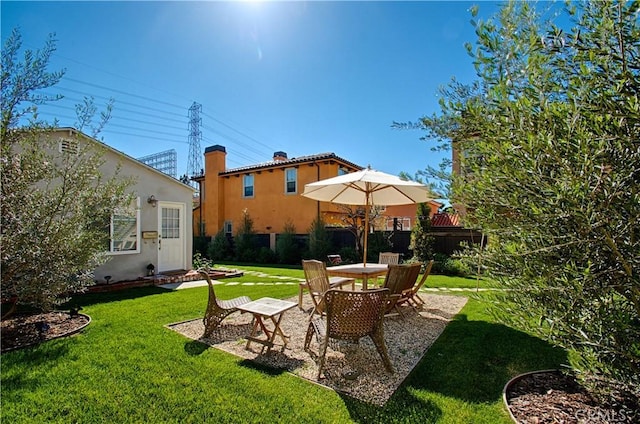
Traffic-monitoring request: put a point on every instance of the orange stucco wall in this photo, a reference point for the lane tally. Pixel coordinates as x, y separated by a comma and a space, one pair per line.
270, 207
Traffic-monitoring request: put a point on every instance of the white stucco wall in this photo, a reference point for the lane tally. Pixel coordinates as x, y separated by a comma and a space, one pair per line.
148, 181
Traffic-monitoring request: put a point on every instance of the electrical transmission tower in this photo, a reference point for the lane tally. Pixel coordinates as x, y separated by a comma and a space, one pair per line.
194, 166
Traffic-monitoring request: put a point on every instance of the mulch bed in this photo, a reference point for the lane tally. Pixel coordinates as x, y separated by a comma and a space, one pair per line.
23, 330
555, 397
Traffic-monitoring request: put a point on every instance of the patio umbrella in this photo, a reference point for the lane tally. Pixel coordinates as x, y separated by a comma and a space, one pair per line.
368, 188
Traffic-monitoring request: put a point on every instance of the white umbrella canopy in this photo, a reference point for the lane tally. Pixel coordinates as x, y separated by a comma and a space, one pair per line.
368, 188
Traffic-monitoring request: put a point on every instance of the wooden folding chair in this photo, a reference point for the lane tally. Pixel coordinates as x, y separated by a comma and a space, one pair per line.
318, 282
217, 309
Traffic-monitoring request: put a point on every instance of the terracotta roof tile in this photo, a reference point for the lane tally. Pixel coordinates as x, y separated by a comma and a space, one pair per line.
288, 162
445, 220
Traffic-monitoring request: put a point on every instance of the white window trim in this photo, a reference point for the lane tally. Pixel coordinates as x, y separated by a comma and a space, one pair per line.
295, 170
244, 186
138, 234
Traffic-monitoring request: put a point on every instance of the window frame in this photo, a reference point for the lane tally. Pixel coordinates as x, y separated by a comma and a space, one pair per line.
286, 181
245, 186
138, 233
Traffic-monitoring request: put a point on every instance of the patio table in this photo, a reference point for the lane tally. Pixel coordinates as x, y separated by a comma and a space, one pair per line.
360, 271
263, 309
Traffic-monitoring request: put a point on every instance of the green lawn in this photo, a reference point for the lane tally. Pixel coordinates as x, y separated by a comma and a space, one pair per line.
127, 367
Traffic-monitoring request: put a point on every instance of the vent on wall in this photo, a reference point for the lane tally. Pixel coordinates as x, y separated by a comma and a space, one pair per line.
68, 146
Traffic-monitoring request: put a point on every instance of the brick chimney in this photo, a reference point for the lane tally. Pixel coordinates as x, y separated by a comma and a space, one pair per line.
279, 156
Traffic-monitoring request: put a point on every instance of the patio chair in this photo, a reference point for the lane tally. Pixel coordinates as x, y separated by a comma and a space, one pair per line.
399, 280
387, 258
217, 309
318, 282
351, 315
410, 295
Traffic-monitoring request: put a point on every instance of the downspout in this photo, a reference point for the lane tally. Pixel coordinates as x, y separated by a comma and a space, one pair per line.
317, 179
200, 211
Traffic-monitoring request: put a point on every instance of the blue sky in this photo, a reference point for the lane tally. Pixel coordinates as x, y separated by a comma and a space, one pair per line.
300, 77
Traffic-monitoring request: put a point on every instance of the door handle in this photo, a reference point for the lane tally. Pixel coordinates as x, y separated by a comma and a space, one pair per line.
160, 243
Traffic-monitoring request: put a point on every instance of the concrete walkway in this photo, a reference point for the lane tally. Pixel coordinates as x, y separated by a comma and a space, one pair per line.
288, 281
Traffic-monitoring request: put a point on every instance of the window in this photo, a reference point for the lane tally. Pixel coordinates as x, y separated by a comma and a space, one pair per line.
170, 223
291, 181
68, 146
247, 183
399, 223
342, 171
228, 227
125, 229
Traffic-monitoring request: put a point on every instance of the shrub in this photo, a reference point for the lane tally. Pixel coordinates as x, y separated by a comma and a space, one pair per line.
349, 255
378, 242
446, 265
319, 240
287, 248
421, 240
220, 248
245, 250
266, 256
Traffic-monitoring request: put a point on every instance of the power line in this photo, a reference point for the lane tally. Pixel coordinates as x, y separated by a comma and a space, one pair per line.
125, 93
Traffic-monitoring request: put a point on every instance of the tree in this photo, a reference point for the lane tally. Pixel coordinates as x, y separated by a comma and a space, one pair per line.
352, 218
244, 240
421, 239
220, 248
551, 171
319, 240
56, 207
287, 248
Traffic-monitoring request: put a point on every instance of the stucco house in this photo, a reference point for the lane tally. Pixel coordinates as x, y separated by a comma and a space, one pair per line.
157, 229
270, 192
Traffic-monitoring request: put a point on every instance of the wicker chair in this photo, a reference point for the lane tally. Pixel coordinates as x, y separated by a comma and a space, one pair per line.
351, 315
410, 295
399, 280
217, 309
318, 282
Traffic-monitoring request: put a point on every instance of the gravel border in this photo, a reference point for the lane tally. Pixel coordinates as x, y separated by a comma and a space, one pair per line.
407, 341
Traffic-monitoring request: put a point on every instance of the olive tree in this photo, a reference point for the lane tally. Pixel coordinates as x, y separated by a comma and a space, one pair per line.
549, 144
56, 207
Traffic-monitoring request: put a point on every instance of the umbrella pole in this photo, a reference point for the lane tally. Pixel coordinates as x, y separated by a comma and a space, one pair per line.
366, 228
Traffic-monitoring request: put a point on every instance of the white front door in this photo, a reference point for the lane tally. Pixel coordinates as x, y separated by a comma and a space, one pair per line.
171, 239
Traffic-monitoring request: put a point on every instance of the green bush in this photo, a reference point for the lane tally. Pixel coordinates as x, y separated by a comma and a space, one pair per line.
319, 240
200, 262
201, 245
220, 248
287, 249
245, 249
266, 256
446, 265
349, 255
378, 241
422, 241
